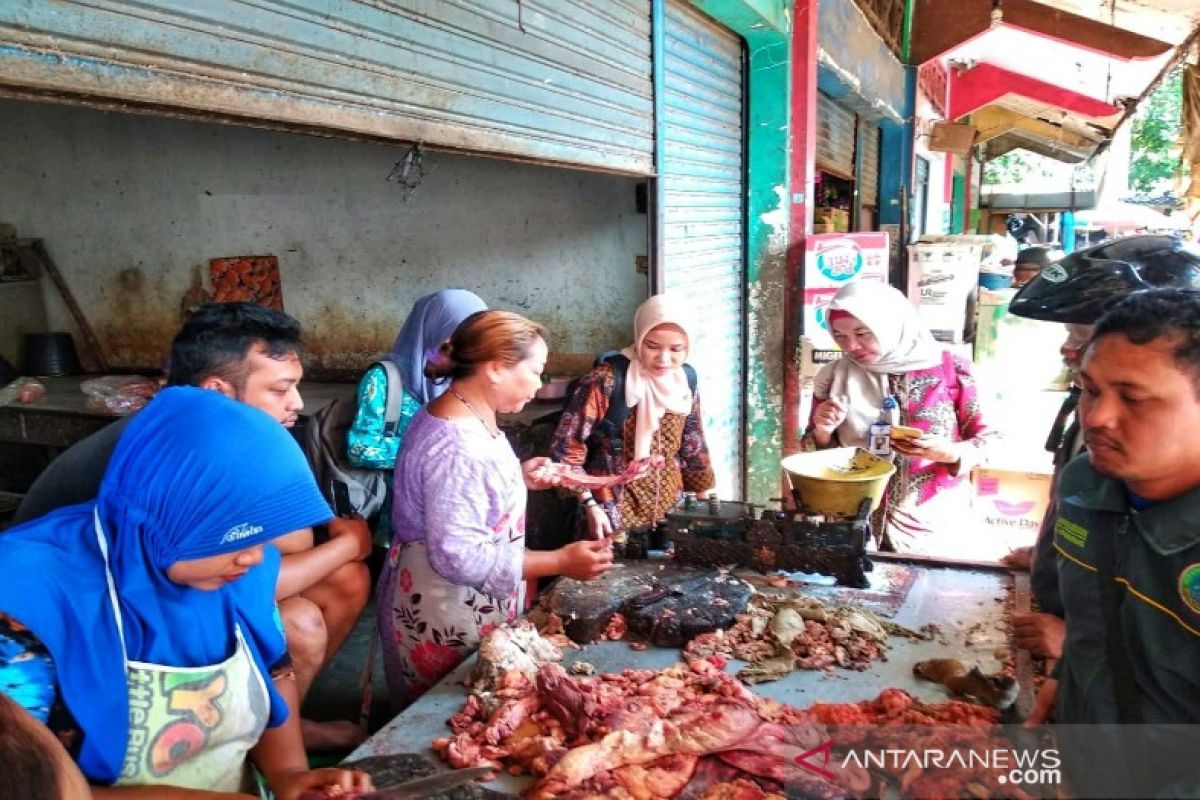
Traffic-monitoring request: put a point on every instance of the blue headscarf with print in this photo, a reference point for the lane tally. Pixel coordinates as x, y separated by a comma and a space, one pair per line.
432, 319
194, 475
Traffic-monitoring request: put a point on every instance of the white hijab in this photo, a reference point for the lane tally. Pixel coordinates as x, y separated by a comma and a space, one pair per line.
905, 344
653, 395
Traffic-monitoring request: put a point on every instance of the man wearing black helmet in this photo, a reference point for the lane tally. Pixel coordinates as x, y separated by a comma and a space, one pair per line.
1128, 542
1076, 291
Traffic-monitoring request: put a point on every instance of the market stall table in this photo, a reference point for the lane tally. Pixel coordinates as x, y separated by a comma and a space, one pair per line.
969, 608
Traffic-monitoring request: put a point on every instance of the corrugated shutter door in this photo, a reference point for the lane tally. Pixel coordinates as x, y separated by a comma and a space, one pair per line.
701, 219
835, 137
563, 81
868, 180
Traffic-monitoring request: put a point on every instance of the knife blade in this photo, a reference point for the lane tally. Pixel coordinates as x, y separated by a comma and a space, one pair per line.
424, 787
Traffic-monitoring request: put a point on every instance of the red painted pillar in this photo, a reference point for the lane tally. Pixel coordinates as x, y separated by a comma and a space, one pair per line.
802, 170
948, 182
967, 176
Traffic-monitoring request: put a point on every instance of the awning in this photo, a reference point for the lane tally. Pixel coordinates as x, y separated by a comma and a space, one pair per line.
1058, 77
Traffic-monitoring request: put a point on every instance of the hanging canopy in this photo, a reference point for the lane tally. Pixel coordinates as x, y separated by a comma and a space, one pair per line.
1125, 217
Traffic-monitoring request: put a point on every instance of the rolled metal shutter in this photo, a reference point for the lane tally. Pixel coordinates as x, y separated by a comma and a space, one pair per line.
868, 176
701, 217
835, 137
561, 81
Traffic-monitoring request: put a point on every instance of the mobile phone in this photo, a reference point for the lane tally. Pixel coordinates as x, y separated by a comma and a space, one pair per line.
341, 499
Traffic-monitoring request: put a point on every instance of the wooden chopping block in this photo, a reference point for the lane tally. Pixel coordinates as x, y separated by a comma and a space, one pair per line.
664, 605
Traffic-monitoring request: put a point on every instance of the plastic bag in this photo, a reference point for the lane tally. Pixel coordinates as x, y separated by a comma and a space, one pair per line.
23, 391
119, 394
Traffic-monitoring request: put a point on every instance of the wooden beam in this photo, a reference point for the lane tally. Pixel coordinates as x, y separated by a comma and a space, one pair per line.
994, 121
939, 25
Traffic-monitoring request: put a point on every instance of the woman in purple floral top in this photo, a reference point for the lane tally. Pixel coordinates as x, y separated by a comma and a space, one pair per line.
458, 564
890, 352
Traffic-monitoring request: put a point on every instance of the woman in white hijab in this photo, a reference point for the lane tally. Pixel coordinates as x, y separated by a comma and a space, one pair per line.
663, 418
889, 352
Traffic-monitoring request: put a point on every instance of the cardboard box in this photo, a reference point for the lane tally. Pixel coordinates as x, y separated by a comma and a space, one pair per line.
815, 319
942, 279
832, 261
1011, 503
812, 359
995, 249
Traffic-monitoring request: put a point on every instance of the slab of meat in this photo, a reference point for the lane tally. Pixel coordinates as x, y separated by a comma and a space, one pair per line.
644, 734
714, 778
570, 477
740, 789
720, 727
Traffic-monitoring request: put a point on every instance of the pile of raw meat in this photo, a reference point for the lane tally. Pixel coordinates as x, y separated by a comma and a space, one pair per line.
777, 636
690, 731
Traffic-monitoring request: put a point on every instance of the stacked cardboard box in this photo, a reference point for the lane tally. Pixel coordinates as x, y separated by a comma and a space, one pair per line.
1009, 505
942, 279
836, 219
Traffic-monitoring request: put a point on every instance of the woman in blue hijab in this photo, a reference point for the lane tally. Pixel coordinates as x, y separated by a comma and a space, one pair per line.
415, 352
141, 627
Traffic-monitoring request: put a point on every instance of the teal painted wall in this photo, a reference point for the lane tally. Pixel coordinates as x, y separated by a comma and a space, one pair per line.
764, 26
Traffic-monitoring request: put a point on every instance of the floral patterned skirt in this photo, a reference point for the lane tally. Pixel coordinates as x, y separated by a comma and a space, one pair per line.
428, 625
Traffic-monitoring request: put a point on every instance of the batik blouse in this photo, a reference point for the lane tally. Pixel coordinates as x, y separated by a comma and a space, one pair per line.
679, 438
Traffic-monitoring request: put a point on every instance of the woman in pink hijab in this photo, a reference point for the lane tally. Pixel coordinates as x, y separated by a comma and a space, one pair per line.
888, 351
663, 418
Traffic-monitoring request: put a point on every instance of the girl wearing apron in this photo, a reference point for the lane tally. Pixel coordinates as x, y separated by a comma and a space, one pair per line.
145, 620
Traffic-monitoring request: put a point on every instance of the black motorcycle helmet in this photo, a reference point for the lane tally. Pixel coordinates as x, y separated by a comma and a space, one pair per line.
1081, 287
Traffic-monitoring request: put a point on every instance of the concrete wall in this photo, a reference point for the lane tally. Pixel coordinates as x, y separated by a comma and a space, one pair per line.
857, 67
131, 208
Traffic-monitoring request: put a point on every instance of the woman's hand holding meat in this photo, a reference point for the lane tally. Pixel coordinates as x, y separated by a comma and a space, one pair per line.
537, 475
325, 782
930, 448
829, 415
585, 560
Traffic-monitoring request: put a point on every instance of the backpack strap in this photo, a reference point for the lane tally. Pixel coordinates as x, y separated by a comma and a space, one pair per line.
692, 379
391, 414
612, 427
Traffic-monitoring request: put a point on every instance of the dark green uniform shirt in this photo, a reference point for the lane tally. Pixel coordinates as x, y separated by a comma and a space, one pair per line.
1157, 562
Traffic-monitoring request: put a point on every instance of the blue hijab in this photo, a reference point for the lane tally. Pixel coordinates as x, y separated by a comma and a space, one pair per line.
432, 319
195, 474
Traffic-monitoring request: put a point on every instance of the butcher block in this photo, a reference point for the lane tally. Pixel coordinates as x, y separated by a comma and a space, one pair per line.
662, 603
